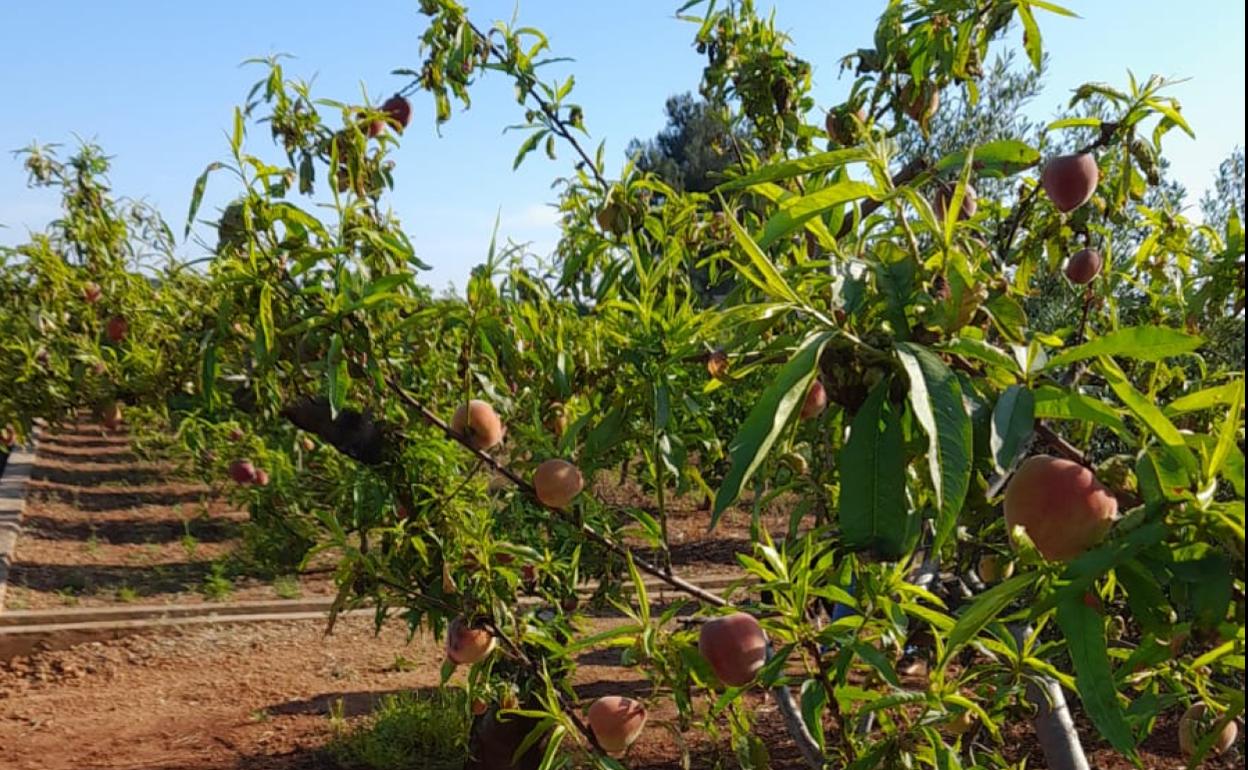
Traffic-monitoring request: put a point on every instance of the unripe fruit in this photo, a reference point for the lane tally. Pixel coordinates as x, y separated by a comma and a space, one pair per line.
1070, 180
557, 421
1196, 723
308, 444
117, 328
110, 415
944, 196
242, 471
735, 647
991, 570
816, 400
1084, 266
717, 364
398, 110
91, 293
841, 127
1060, 504
478, 421
557, 483
616, 722
262, 477
920, 103
466, 645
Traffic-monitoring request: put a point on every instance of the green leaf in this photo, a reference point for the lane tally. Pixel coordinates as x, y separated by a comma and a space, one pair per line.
197, 196
981, 351
1053, 403
780, 401
1000, 158
814, 700
794, 212
872, 508
1031, 36
1085, 639
336, 376
936, 397
1227, 438
527, 147
1206, 398
772, 281
1149, 414
266, 317
810, 164
986, 607
1142, 343
1013, 420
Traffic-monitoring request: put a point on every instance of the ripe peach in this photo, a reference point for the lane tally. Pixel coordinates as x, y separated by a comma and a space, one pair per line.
117, 328
465, 644
1070, 180
308, 444
478, 707
1084, 266
735, 647
91, 292
920, 103
991, 570
944, 196
242, 471
262, 477
557, 483
1196, 723
478, 421
398, 110
816, 400
616, 722
1060, 504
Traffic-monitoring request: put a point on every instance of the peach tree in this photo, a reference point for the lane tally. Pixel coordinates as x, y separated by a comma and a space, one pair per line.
989, 513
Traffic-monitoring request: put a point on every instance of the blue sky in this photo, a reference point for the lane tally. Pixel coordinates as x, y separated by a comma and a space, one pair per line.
154, 82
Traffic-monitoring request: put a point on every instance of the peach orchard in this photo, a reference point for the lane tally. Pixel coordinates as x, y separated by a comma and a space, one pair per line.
1040, 513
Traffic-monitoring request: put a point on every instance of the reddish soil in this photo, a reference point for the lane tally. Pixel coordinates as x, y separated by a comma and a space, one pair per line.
258, 696
102, 526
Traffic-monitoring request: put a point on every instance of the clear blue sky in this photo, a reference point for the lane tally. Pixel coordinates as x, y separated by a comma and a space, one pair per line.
155, 82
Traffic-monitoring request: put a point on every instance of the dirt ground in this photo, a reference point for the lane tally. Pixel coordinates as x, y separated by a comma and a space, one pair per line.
103, 527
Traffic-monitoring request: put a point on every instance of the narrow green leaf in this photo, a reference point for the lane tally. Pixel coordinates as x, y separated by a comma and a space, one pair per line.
1227, 438
529, 144
779, 402
810, 164
1053, 403
936, 397
1013, 420
1003, 157
1206, 398
1032, 43
197, 196
986, 607
872, 508
1142, 343
773, 282
1149, 414
981, 351
794, 212
1085, 639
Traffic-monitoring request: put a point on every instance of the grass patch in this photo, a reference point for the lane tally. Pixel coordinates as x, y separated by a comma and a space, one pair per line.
287, 587
425, 730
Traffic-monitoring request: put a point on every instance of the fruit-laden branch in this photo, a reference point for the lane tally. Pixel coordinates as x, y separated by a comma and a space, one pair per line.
554, 122
806, 744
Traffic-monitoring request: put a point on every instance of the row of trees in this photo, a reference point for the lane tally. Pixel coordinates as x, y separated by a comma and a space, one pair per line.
739, 315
